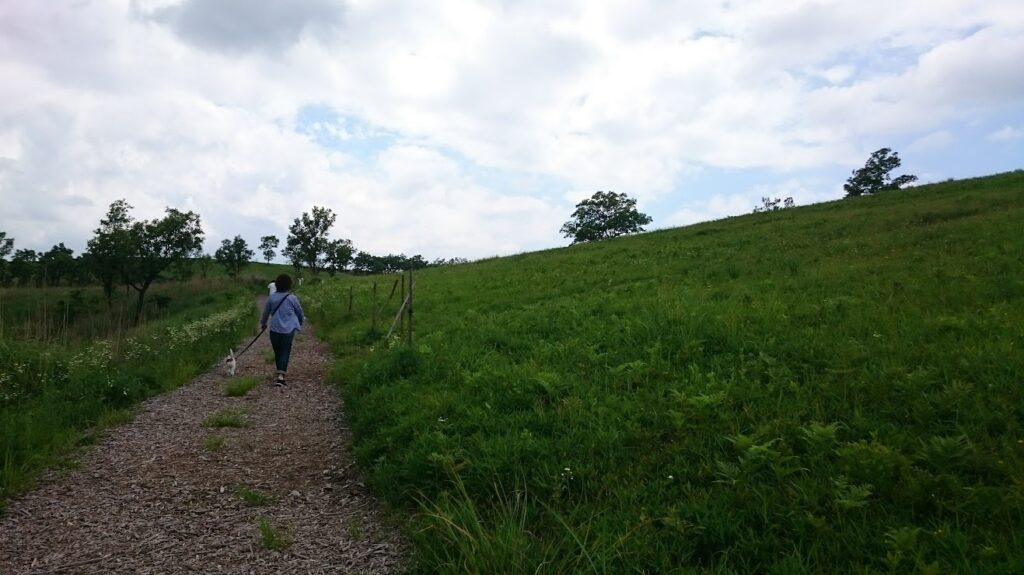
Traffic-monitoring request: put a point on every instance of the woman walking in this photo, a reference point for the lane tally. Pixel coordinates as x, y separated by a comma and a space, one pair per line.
286, 318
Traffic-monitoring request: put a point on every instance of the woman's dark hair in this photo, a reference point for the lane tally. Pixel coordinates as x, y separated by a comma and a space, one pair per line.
283, 282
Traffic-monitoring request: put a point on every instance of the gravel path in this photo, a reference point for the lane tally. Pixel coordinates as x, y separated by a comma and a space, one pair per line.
152, 497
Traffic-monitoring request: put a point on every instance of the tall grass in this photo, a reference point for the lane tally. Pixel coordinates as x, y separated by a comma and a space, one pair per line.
73, 315
833, 388
49, 394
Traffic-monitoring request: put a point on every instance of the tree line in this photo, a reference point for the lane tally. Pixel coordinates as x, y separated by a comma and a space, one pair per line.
133, 254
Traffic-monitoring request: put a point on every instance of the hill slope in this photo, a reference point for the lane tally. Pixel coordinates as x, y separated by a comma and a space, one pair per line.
835, 388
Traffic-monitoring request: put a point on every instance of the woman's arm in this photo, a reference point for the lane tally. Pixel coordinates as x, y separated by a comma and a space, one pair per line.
266, 314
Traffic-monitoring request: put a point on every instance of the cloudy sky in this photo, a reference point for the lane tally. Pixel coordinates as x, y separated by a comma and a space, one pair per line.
459, 128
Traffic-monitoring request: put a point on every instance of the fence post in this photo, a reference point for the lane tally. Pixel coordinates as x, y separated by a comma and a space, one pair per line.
375, 306
408, 334
401, 325
349, 300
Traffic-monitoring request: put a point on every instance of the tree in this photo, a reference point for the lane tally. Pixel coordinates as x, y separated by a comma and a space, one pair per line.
183, 270
293, 259
6, 247
109, 250
267, 246
307, 239
365, 263
156, 245
604, 215
448, 262
874, 176
339, 255
772, 205
23, 265
205, 261
57, 264
233, 255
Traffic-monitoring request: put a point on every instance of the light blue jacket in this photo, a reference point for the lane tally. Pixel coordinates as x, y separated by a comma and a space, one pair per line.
289, 316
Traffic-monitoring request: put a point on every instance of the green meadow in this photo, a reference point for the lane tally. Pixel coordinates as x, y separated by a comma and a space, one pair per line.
836, 388
58, 391
74, 314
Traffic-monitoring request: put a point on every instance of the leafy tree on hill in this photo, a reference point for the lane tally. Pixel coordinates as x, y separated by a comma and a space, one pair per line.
293, 259
448, 262
182, 271
108, 251
307, 242
233, 255
339, 255
6, 247
267, 246
156, 245
772, 205
874, 176
604, 215
23, 266
366, 263
57, 264
205, 262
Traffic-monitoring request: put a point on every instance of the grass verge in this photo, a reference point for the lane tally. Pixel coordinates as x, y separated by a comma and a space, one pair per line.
214, 443
240, 386
226, 418
272, 538
253, 497
50, 395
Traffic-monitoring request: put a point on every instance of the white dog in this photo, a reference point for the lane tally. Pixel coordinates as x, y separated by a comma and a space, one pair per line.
230, 362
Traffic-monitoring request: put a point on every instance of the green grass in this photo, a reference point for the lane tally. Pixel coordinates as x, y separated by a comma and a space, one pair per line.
354, 528
78, 314
240, 386
252, 496
834, 388
226, 418
214, 443
272, 538
54, 398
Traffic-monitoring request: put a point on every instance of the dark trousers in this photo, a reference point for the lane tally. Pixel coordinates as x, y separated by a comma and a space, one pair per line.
282, 344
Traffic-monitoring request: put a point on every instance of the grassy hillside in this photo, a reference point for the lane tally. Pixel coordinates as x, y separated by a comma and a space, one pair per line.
78, 314
69, 367
835, 388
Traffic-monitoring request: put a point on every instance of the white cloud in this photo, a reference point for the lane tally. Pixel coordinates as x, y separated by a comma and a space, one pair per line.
1007, 133
932, 141
194, 103
838, 74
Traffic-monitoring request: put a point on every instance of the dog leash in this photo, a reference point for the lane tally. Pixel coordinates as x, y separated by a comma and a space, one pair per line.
277, 307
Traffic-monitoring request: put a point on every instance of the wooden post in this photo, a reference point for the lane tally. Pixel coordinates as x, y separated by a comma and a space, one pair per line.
402, 320
374, 306
408, 334
349, 300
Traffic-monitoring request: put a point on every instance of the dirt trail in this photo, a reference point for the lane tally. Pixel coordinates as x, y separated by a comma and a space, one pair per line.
153, 498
